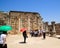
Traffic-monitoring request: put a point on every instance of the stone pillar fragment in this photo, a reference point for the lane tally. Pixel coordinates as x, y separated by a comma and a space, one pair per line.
53, 28
46, 25
46, 28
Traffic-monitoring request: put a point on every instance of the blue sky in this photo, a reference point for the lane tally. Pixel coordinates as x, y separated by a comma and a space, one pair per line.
48, 9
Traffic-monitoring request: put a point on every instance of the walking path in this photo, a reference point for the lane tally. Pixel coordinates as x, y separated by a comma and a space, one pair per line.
13, 41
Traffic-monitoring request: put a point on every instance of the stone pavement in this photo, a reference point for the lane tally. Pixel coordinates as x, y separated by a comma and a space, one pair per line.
13, 41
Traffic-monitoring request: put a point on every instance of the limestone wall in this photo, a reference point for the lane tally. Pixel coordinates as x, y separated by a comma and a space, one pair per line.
3, 18
57, 26
29, 20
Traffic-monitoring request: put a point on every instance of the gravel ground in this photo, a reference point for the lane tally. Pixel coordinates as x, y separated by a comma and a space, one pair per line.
13, 41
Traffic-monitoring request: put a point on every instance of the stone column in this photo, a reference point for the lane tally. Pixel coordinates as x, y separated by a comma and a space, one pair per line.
8, 18
42, 24
39, 23
19, 24
46, 26
21, 21
28, 24
53, 27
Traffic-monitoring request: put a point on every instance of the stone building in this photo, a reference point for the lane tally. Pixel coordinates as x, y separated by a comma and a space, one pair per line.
57, 28
53, 28
3, 18
29, 20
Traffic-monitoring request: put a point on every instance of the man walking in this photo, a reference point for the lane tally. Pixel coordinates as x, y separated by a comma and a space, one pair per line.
25, 36
44, 34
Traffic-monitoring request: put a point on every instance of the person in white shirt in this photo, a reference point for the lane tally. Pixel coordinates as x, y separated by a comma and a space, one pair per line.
40, 32
3, 40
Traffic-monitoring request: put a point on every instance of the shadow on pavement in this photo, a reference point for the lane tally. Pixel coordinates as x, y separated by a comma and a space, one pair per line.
22, 42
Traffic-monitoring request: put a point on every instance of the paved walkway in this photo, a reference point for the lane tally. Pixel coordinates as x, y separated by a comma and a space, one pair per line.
32, 42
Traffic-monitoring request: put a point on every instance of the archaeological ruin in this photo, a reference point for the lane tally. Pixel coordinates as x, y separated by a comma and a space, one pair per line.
29, 20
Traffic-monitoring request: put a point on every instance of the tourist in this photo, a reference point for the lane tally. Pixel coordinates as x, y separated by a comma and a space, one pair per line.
40, 32
25, 36
44, 34
3, 40
32, 33
36, 33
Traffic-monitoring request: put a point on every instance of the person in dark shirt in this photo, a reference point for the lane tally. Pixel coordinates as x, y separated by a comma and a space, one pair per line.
25, 36
44, 34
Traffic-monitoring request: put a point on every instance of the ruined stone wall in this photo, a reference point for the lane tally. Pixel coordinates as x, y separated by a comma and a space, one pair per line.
30, 20
18, 20
54, 28
3, 18
57, 26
